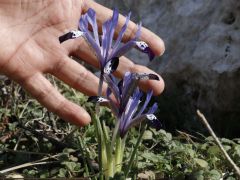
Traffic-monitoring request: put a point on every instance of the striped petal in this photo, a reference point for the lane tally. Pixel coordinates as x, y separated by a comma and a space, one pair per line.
83, 26
152, 121
111, 65
113, 25
105, 30
128, 46
153, 109
112, 86
146, 102
91, 17
129, 112
120, 35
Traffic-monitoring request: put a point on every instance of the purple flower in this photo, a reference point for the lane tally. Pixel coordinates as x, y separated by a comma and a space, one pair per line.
126, 101
106, 50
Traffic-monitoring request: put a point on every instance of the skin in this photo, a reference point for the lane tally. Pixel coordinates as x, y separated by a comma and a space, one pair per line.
29, 48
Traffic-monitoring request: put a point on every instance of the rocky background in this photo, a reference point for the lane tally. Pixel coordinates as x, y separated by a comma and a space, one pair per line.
201, 64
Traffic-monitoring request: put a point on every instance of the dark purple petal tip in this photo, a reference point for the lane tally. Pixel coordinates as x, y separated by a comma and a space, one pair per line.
153, 121
97, 99
146, 76
111, 65
150, 53
70, 35
153, 77
142, 46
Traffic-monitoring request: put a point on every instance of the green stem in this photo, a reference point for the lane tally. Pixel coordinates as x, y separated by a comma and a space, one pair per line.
108, 166
119, 152
129, 165
99, 131
100, 85
115, 134
99, 134
118, 155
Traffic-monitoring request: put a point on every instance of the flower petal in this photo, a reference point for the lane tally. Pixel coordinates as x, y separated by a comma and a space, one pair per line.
83, 25
120, 35
130, 110
120, 87
130, 82
113, 105
153, 121
91, 17
148, 98
129, 85
97, 99
145, 76
112, 86
108, 30
143, 47
112, 28
126, 47
105, 30
153, 109
111, 65
71, 35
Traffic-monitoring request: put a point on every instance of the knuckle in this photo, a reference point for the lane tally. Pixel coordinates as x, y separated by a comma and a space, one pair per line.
82, 78
59, 65
133, 67
58, 109
44, 94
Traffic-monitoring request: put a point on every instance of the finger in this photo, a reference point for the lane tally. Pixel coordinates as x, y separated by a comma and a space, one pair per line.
48, 96
77, 76
83, 52
103, 13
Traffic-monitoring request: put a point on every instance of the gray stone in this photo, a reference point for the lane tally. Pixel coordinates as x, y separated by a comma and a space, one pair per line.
201, 65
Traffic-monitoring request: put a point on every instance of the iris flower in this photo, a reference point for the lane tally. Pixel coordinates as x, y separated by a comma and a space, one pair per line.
124, 99
106, 49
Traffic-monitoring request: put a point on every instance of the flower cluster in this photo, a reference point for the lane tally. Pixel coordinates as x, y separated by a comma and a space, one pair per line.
124, 97
106, 51
126, 101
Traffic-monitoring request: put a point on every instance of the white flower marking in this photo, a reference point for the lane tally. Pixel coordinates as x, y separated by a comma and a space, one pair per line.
141, 45
108, 68
76, 33
151, 117
101, 99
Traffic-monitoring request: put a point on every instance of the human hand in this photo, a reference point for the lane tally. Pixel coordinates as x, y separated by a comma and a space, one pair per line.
29, 48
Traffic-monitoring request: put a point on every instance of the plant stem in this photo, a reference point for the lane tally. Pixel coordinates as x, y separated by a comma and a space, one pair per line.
205, 122
120, 145
129, 166
115, 134
100, 85
108, 165
99, 135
